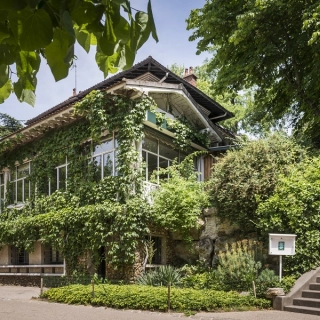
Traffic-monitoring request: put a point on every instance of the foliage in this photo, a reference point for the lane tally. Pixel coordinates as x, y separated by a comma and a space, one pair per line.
90, 214
153, 298
266, 279
30, 29
180, 200
248, 174
184, 131
237, 266
294, 208
161, 276
270, 46
8, 124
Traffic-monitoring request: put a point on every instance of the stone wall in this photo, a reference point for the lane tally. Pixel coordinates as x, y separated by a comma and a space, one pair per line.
26, 281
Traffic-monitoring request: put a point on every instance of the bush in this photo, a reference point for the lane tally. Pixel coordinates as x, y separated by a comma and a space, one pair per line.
267, 279
237, 267
153, 298
161, 277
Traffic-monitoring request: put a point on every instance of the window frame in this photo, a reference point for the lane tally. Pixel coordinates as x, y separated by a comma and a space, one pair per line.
14, 180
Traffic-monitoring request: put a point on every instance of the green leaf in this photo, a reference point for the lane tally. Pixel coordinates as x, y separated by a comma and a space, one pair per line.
126, 58
67, 22
4, 76
57, 52
7, 54
125, 5
151, 23
122, 30
108, 40
28, 62
5, 91
107, 63
83, 38
33, 30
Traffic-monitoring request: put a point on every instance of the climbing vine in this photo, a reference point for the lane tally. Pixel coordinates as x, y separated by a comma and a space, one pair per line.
92, 213
184, 131
89, 214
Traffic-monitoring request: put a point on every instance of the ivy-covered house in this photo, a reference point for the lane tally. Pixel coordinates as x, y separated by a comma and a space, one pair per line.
76, 182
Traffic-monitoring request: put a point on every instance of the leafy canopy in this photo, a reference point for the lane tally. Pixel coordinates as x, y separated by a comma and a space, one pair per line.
271, 46
50, 28
295, 208
246, 176
8, 124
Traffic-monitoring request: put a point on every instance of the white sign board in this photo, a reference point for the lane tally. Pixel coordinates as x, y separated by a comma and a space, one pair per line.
282, 244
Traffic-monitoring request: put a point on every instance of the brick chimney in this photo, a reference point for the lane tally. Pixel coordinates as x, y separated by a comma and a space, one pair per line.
190, 77
74, 92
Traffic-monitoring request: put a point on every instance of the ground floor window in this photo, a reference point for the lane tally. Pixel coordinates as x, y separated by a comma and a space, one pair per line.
52, 256
156, 249
19, 256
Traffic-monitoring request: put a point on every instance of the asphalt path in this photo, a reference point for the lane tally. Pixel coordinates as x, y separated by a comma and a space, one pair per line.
20, 303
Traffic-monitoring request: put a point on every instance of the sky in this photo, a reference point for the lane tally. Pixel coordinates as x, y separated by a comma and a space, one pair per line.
173, 47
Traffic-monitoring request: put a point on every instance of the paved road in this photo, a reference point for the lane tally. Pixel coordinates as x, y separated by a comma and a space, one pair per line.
16, 303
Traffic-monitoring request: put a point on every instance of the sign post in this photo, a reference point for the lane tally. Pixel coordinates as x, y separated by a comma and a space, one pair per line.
281, 245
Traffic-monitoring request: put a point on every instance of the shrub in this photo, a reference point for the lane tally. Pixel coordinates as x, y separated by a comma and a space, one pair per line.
160, 277
237, 267
153, 298
266, 279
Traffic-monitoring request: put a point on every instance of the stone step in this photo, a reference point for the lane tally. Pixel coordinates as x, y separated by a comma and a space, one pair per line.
307, 302
314, 286
311, 294
305, 310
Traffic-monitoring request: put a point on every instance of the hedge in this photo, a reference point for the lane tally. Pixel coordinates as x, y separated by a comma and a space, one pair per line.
153, 298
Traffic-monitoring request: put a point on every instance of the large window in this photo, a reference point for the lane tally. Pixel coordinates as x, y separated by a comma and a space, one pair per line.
58, 180
52, 256
2, 191
20, 184
19, 256
157, 154
104, 158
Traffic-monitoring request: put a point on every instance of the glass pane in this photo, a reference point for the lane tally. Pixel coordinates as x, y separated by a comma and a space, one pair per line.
167, 151
26, 190
150, 144
152, 164
103, 147
62, 174
108, 164
144, 169
163, 163
23, 170
53, 181
97, 168
13, 193
19, 190
1, 178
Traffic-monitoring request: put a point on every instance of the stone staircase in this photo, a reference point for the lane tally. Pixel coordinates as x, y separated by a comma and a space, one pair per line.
304, 297
309, 301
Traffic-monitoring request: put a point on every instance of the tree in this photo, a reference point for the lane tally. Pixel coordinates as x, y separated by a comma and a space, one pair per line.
270, 46
294, 207
248, 175
8, 124
50, 28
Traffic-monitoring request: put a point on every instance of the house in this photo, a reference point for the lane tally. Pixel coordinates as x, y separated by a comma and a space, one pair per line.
89, 146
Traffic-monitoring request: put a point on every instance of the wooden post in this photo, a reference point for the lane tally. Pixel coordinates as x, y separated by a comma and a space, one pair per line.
92, 284
169, 286
41, 286
254, 289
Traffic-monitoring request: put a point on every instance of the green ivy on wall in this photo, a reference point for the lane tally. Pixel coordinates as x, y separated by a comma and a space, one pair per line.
91, 214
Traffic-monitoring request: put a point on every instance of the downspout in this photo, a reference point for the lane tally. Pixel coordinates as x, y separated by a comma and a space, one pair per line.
164, 78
